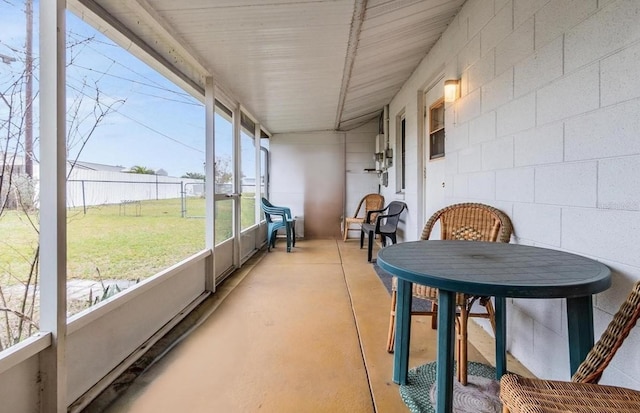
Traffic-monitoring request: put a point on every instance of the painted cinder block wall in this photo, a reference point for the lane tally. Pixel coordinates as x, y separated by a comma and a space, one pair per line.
359, 150
546, 129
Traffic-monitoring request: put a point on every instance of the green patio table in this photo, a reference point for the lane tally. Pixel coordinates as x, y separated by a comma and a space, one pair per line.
489, 269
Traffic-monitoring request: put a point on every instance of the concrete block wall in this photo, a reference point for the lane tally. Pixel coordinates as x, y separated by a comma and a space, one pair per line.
546, 129
360, 147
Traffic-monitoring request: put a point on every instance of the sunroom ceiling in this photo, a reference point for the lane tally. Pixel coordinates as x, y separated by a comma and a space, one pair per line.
296, 65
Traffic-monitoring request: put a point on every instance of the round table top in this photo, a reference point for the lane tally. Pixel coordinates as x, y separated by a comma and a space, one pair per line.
495, 269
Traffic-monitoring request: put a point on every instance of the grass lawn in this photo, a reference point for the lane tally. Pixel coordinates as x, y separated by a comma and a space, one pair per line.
118, 245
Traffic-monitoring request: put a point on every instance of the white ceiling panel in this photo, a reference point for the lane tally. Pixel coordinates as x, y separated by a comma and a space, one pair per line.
395, 36
296, 65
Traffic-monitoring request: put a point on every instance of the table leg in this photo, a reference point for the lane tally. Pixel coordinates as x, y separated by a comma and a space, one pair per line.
580, 323
446, 331
403, 332
501, 336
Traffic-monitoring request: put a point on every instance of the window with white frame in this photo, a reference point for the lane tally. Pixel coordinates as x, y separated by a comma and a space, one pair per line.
436, 130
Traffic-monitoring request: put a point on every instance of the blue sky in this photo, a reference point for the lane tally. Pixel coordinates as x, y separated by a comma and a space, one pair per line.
153, 123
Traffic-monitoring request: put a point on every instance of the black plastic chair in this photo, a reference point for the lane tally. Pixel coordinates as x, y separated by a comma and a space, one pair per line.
278, 217
386, 225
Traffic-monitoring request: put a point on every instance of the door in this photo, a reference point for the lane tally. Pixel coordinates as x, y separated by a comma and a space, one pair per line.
226, 197
248, 188
434, 150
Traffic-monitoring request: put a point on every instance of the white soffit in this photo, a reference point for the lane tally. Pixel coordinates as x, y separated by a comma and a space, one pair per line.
395, 36
297, 65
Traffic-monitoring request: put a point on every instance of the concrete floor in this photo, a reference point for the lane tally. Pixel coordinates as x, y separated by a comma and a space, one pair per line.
291, 332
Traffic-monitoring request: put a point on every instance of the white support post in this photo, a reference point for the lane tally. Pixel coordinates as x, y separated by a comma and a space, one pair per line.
258, 195
422, 155
53, 225
210, 193
237, 186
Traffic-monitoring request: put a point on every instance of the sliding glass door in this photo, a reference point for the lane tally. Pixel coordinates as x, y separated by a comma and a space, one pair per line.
225, 195
248, 171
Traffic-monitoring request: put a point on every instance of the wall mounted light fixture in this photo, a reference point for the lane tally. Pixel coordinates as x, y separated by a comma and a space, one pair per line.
451, 90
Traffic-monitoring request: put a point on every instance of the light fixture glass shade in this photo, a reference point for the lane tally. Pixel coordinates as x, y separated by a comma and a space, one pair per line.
451, 90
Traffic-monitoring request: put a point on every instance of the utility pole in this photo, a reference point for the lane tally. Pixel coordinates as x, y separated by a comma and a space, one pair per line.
28, 136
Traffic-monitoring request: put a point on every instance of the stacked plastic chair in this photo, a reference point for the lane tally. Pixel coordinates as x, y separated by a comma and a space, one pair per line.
278, 217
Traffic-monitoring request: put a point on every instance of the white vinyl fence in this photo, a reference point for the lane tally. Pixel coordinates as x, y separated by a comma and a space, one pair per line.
88, 188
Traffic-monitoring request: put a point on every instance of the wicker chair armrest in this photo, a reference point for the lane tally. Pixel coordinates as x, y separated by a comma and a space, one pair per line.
611, 340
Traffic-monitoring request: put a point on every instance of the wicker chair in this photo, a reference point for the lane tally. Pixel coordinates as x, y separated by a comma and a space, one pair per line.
465, 222
582, 394
371, 202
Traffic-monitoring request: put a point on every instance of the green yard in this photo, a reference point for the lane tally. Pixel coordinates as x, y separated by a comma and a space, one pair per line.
117, 243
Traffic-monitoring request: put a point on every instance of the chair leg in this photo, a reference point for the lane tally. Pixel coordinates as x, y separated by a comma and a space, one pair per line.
361, 238
392, 237
370, 249
458, 349
492, 314
293, 234
346, 230
391, 337
288, 228
434, 317
462, 344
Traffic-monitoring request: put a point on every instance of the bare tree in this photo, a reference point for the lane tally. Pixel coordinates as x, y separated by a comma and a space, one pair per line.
223, 172
17, 307
87, 110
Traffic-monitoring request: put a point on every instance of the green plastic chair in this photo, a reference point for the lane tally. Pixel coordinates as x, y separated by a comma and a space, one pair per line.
385, 224
278, 217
